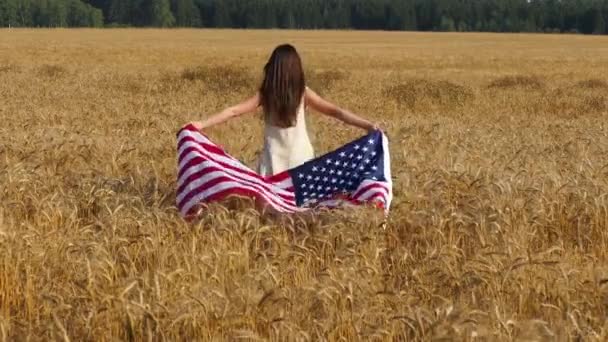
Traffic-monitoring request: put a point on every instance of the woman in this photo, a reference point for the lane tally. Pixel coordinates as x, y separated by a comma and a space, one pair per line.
284, 96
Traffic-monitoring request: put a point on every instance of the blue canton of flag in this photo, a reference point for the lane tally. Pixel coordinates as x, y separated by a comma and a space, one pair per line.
357, 172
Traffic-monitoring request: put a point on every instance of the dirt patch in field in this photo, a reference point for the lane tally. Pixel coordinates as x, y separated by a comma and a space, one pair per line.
6, 68
51, 71
517, 82
573, 103
595, 83
417, 91
323, 80
220, 77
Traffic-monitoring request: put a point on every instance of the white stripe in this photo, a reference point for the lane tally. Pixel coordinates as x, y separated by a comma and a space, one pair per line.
336, 203
213, 156
195, 200
197, 136
371, 193
387, 173
234, 163
284, 184
216, 174
207, 163
367, 182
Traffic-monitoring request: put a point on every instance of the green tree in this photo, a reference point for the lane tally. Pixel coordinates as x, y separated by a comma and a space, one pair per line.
599, 23
221, 14
186, 13
57, 13
159, 13
8, 13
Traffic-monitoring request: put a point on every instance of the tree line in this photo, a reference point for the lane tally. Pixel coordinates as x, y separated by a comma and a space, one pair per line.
580, 16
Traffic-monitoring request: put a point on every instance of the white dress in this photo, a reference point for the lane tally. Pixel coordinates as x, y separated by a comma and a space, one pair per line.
285, 148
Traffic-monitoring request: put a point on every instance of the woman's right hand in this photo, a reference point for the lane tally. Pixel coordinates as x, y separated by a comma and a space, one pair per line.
197, 124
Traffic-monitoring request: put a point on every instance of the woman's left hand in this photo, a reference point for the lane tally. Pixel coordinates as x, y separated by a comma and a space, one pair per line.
374, 127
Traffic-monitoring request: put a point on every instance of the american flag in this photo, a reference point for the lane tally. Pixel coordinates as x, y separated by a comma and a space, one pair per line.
354, 174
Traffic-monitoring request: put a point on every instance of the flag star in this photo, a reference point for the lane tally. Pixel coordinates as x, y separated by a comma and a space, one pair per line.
315, 169
334, 180
329, 161
337, 163
335, 188
300, 176
373, 153
325, 179
317, 178
311, 186
353, 165
339, 173
351, 155
356, 175
328, 188
323, 169
374, 168
370, 141
341, 181
342, 154
305, 193
359, 157
361, 168
345, 164
350, 183
313, 195
348, 174
375, 178
367, 161
365, 149
319, 187
303, 186
331, 172
309, 177
357, 147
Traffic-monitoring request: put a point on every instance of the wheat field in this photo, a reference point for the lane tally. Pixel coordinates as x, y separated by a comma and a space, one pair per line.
498, 230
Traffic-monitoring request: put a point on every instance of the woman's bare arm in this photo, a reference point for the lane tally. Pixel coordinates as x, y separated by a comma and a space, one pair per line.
245, 107
323, 106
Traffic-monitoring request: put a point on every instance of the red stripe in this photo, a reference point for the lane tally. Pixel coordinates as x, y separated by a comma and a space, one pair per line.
208, 169
197, 160
368, 187
278, 201
351, 201
239, 191
209, 147
226, 193
279, 177
223, 166
191, 128
373, 197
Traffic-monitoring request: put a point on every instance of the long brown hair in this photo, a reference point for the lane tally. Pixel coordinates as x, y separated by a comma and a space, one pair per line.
283, 86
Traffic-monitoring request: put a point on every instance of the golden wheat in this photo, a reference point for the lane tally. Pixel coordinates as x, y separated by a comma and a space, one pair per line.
499, 229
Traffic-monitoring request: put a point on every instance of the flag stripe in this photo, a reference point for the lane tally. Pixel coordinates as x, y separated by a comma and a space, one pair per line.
202, 192
213, 178
193, 154
205, 167
197, 164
